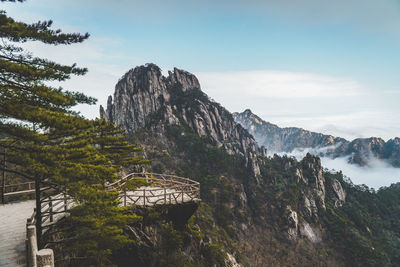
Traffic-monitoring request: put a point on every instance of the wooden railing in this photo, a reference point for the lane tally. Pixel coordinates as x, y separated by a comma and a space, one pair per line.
53, 208
160, 189
18, 189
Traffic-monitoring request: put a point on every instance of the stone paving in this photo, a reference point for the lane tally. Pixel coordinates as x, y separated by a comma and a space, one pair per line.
12, 232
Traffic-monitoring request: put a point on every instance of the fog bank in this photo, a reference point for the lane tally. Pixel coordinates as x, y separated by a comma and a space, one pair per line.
378, 173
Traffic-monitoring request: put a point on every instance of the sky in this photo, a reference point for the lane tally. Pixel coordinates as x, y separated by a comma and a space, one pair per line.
326, 66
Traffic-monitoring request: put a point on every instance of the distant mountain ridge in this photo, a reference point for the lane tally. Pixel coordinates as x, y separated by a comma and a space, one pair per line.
360, 150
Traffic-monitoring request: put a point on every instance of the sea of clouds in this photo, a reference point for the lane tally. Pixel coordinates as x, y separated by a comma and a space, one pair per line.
376, 174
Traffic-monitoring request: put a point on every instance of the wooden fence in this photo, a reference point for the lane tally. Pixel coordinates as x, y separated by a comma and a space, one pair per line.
18, 189
159, 189
53, 208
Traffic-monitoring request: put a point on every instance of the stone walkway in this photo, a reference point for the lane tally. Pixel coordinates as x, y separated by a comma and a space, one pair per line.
12, 232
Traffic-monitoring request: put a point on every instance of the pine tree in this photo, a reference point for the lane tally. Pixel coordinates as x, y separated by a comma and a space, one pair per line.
49, 143
98, 221
29, 107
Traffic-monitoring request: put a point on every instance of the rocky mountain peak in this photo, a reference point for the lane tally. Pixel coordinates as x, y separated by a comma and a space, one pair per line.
185, 79
144, 98
248, 112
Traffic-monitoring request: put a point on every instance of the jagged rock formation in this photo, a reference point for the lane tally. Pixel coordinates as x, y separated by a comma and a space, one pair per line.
360, 151
309, 178
145, 98
293, 224
340, 194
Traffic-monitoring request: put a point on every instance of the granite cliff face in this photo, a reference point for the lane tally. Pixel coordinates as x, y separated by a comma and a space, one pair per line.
309, 178
360, 151
144, 98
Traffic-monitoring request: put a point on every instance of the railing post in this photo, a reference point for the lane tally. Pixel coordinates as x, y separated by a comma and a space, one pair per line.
3, 181
51, 209
183, 192
144, 197
124, 197
65, 202
38, 212
165, 195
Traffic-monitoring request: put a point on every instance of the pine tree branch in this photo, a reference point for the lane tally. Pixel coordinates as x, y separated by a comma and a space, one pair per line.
39, 31
16, 172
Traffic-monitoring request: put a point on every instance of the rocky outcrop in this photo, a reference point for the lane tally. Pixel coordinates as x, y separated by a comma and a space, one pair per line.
359, 151
231, 261
363, 149
392, 151
307, 231
292, 222
145, 99
185, 79
138, 94
303, 216
316, 181
340, 197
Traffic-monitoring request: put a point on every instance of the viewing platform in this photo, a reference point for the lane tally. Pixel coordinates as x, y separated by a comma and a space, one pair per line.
160, 189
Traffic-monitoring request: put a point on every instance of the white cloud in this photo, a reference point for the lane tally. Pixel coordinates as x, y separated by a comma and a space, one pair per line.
378, 173
279, 84
349, 125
